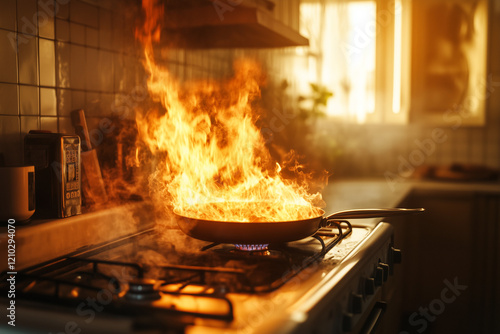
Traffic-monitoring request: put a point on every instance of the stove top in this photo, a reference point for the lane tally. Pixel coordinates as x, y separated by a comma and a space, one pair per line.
150, 281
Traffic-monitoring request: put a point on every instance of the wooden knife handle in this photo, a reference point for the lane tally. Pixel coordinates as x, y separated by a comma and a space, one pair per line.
81, 129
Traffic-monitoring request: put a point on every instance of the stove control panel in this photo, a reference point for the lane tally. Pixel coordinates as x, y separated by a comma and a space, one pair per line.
358, 288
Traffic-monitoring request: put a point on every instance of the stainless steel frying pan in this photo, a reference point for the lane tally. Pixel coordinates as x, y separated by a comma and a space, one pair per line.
274, 232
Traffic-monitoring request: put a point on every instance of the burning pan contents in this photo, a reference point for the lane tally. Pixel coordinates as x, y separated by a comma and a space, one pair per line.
252, 211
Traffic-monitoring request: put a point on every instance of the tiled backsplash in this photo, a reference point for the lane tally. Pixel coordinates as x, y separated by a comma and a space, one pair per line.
85, 57
58, 56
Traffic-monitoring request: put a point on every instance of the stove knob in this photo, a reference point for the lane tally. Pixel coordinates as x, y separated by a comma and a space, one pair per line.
356, 303
369, 286
396, 255
347, 322
385, 268
379, 276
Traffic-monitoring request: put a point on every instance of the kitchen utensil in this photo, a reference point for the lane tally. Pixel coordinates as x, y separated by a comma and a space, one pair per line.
274, 232
92, 182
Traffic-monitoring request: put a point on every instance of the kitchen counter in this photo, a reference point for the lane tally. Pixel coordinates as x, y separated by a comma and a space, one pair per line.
359, 194
377, 193
363, 194
42, 240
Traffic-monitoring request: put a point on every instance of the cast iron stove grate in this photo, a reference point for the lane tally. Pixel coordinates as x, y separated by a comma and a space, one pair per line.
134, 288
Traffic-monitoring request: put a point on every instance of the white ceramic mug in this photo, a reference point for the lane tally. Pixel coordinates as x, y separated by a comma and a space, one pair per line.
17, 193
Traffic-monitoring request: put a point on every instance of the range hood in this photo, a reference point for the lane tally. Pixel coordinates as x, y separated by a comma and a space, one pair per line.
205, 24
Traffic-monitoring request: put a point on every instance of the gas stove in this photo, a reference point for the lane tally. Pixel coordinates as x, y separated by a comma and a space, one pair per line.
163, 281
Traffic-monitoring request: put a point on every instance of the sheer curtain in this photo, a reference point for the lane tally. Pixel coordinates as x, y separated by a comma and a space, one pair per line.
345, 38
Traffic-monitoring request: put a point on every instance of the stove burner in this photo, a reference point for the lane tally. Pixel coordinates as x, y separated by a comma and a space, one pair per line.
251, 248
143, 289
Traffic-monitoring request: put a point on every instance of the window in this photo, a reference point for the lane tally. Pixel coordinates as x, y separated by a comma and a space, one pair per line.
357, 50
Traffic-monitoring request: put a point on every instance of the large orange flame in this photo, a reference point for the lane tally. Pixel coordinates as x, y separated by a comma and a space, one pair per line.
211, 161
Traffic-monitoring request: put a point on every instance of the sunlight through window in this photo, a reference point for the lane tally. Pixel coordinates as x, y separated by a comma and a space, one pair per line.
346, 37
396, 91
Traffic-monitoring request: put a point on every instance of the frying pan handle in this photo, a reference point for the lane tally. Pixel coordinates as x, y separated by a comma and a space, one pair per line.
373, 213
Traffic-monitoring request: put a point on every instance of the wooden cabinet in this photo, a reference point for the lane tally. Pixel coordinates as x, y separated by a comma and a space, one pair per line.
486, 262
451, 263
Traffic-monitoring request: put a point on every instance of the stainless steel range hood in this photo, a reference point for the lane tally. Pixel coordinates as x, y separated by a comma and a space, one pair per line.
205, 25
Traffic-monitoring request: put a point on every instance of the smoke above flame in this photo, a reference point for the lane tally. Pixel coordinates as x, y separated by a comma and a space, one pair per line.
210, 159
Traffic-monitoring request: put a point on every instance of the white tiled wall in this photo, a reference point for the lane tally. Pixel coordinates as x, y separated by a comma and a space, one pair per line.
58, 56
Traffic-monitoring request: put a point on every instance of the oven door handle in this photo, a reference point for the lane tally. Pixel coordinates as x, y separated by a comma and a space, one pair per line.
374, 318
